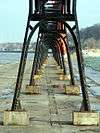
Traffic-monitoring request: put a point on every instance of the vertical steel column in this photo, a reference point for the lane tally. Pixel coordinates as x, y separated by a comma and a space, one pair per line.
16, 102
38, 60
35, 61
64, 68
68, 6
63, 62
40, 56
86, 102
38, 64
55, 55
70, 63
36, 5
30, 7
60, 58
43, 55
69, 59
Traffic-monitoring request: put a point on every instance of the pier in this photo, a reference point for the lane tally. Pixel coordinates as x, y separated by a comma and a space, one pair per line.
50, 93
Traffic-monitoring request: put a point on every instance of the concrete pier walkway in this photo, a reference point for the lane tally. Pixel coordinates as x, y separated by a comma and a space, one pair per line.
50, 111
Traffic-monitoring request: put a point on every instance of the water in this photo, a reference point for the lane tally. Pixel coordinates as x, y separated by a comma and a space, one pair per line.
6, 58
93, 72
93, 62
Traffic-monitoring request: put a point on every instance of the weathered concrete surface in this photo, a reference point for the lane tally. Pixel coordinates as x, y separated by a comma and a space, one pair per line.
15, 118
72, 90
51, 111
85, 118
32, 89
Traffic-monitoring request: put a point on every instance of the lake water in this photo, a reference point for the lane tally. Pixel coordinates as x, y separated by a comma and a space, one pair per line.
93, 73
93, 62
12, 57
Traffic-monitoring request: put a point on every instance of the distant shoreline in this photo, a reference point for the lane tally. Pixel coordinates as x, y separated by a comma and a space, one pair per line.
18, 52
91, 53
15, 51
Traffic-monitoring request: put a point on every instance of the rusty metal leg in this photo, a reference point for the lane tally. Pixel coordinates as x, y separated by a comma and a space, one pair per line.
42, 57
70, 64
39, 59
69, 59
16, 102
68, 55
45, 55
32, 82
86, 102
58, 56
85, 105
61, 63
60, 59
55, 55
37, 67
64, 68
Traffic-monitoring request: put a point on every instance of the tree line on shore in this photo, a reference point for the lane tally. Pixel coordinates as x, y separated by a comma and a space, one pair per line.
90, 37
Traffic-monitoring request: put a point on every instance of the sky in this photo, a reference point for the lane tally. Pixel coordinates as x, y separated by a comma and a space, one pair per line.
13, 17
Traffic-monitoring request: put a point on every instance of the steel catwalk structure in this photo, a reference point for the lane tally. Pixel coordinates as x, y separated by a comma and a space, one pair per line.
53, 17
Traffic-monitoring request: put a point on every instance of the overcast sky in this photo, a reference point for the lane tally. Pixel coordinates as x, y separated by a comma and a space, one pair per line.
13, 17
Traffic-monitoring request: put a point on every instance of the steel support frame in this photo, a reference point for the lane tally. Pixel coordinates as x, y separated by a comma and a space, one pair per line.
86, 102
16, 105
58, 55
38, 61
35, 61
68, 57
16, 101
